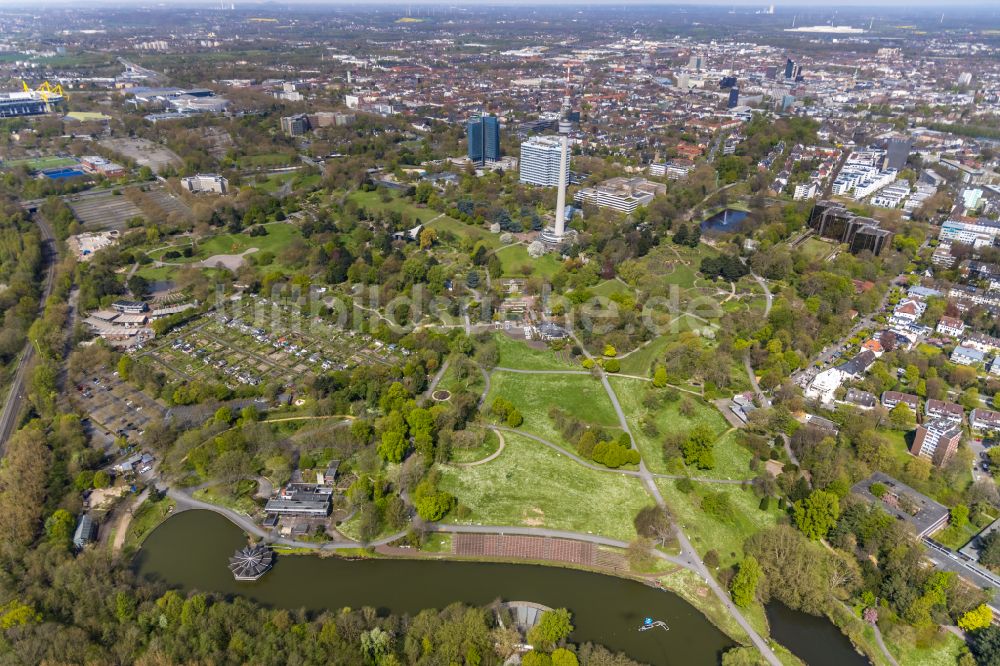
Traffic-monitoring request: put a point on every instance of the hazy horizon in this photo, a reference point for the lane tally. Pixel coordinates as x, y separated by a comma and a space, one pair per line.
853, 4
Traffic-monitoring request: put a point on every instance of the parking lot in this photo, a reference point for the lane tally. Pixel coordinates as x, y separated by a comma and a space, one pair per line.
116, 406
229, 349
103, 211
144, 152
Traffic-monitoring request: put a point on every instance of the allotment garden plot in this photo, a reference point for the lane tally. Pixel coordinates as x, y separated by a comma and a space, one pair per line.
285, 349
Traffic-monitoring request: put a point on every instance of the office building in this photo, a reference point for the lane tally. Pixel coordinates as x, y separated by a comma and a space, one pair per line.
937, 441
205, 182
832, 220
727, 82
897, 152
790, 68
296, 125
484, 139
621, 194
734, 98
540, 161
696, 62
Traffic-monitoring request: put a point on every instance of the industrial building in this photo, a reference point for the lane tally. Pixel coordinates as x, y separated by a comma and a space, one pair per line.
540, 161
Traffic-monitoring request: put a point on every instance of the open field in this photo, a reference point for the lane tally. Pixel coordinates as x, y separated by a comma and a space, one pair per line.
532, 485
144, 152
533, 395
710, 533
519, 355
279, 235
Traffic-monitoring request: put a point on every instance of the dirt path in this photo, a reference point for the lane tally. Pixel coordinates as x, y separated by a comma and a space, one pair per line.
121, 528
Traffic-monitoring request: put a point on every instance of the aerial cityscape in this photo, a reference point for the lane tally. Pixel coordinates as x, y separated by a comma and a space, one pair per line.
540, 334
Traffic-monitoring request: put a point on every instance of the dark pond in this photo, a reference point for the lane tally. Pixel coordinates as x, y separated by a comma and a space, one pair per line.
725, 221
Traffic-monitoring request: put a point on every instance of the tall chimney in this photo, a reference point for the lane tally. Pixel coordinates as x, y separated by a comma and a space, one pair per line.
560, 226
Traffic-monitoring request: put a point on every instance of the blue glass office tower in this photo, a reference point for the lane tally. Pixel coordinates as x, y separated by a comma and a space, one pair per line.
484, 139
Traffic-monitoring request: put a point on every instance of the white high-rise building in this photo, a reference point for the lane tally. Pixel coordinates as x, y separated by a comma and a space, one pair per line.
540, 161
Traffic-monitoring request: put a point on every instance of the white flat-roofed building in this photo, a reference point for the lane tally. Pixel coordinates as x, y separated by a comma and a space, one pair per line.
205, 182
621, 194
540, 157
977, 234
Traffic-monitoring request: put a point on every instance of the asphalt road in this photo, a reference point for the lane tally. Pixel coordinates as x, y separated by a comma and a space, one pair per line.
11, 412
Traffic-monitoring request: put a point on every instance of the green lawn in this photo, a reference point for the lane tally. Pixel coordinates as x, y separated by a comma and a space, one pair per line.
279, 234
641, 361
462, 230
515, 262
533, 395
609, 288
146, 518
943, 649
732, 461
817, 249
40, 163
157, 273
490, 444
708, 533
268, 160
517, 354
683, 276
532, 485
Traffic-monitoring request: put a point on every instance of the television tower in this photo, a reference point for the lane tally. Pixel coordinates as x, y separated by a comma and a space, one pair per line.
560, 225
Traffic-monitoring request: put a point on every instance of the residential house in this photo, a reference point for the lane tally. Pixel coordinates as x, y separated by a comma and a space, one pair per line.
908, 311
892, 398
951, 326
982, 342
994, 366
860, 399
937, 440
949, 411
874, 346
967, 356
984, 419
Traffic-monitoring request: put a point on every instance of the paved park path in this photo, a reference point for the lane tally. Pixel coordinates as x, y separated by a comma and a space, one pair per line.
689, 557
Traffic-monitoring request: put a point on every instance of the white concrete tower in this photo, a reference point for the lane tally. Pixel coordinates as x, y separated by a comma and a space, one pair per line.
560, 225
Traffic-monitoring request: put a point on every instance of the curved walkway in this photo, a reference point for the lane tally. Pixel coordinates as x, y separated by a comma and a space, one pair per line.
490, 458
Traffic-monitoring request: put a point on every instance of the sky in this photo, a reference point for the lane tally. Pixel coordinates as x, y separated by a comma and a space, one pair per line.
823, 4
